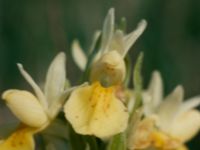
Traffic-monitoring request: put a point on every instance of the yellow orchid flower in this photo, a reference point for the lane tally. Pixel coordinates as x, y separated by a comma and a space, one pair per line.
176, 122
175, 117
112, 40
145, 135
35, 112
95, 109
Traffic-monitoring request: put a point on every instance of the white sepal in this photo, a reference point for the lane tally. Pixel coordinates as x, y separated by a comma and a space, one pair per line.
55, 79
131, 38
154, 94
189, 104
107, 32
78, 55
35, 87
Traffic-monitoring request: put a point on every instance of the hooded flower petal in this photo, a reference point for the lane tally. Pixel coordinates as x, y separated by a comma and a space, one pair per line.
94, 110
109, 70
22, 139
55, 79
26, 107
186, 125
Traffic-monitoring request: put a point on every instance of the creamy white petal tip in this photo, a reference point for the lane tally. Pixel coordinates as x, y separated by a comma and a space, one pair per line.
186, 125
55, 79
131, 38
78, 55
108, 29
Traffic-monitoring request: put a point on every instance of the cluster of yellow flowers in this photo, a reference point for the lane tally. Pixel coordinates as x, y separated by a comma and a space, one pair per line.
103, 107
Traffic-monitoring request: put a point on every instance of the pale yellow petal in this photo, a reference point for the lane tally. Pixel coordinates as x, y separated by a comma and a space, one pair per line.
22, 139
26, 107
35, 87
110, 115
78, 55
186, 126
77, 111
154, 94
95, 110
169, 108
190, 104
55, 79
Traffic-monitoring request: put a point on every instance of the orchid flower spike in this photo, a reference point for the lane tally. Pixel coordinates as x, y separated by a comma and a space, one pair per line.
36, 111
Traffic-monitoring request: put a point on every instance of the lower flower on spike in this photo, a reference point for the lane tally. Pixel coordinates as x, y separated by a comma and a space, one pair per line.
145, 136
22, 139
95, 110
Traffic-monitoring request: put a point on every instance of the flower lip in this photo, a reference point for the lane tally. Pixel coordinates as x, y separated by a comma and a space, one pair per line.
95, 110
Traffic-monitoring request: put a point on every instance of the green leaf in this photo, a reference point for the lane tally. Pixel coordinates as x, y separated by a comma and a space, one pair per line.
123, 24
128, 71
91, 57
137, 81
118, 142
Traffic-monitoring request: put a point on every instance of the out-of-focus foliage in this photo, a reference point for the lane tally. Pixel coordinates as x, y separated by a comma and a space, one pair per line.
33, 31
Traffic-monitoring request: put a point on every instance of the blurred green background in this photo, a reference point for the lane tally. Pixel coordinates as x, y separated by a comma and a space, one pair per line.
34, 31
